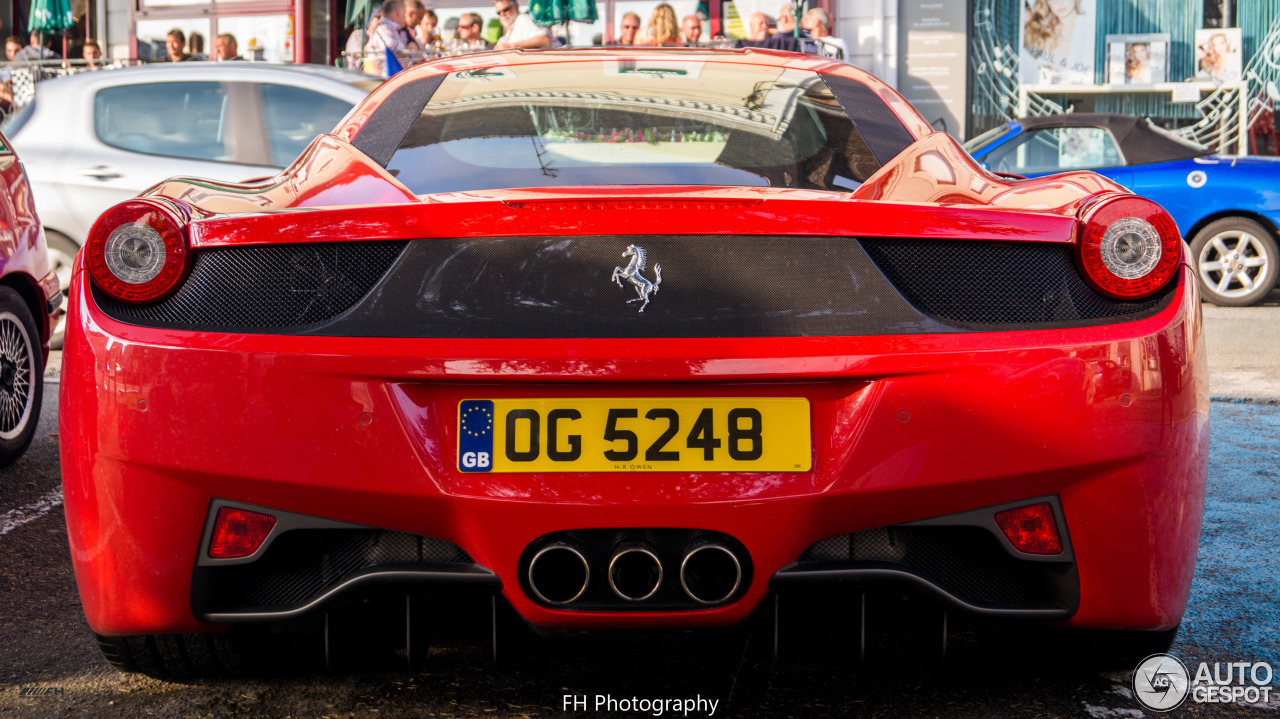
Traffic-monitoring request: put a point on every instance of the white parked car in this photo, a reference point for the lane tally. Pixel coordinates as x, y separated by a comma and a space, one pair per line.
95, 139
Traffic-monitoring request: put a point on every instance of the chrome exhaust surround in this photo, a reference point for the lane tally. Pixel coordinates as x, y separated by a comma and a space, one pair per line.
710, 573
635, 574
559, 574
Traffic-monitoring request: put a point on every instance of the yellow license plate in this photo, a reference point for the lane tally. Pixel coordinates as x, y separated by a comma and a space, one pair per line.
655, 434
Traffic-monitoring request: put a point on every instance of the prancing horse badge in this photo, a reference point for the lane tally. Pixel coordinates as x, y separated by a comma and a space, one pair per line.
632, 274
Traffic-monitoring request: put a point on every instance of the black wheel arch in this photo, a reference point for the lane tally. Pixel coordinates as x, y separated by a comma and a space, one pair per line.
29, 290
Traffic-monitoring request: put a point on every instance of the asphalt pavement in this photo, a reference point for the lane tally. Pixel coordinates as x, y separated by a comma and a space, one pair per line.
49, 666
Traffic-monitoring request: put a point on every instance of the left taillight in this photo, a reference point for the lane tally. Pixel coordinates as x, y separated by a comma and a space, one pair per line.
1129, 248
138, 251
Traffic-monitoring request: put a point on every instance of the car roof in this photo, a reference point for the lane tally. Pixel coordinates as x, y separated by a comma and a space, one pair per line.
245, 71
1141, 142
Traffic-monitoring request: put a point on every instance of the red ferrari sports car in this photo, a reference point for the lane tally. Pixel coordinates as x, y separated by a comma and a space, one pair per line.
29, 309
629, 339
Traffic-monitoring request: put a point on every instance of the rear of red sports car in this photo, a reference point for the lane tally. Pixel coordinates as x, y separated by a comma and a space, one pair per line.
637, 340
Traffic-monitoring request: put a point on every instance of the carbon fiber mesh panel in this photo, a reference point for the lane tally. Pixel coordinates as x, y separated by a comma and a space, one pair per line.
709, 286
265, 287
1000, 285
599, 545
967, 561
302, 564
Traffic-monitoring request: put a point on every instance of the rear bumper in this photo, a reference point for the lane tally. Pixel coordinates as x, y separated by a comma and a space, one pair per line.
157, 424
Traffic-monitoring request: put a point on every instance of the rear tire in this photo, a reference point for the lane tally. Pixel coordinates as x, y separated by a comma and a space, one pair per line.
21, 376
1236, 261
179, 657
1116, 649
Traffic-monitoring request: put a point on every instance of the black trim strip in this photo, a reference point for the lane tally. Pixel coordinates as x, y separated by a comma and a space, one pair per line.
791, 576
473, 577
880, 127
381, 135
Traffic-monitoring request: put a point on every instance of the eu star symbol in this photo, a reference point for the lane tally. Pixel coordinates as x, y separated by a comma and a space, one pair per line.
477, 421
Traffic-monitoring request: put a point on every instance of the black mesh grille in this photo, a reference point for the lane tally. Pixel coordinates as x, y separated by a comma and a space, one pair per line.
670, 545
277, 286
302, 564
999, 285
967, 561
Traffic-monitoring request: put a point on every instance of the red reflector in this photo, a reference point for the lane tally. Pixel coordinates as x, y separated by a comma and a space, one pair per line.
239, 532
1031, 529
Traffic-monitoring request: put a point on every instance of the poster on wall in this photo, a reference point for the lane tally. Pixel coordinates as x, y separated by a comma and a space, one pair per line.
1138, 59
1218, 57
1057, 39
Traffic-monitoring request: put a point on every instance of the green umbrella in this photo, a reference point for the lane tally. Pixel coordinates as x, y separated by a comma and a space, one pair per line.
358, 12
51, 16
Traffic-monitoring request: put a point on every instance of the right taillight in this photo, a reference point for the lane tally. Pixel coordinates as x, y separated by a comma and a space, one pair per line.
138, 251
1130, 248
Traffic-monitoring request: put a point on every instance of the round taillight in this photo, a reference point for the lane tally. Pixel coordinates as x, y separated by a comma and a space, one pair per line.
138, 250
1130, 248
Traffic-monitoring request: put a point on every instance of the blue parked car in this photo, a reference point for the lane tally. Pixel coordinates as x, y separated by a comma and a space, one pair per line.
1228, 208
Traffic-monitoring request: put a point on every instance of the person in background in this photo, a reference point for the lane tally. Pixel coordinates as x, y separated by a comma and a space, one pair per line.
12, 45
691, 29
786, 20
761, 26
37, 50
662, 28
195, 47
630, 28
471, 33
226, 48
519, 30
425, 30
413, 12
92, 54
818, 22
174, 42
390, 33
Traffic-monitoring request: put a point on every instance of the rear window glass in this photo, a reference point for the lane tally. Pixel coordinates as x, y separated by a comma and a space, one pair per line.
632, 123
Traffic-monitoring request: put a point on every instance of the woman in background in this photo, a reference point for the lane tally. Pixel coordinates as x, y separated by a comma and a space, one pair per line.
662, 28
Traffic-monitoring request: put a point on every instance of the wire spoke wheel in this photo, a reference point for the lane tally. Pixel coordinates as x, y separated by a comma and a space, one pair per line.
17, 371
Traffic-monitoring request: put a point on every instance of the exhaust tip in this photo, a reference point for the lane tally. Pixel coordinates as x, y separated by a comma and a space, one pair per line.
710, 574
635, 574
559, 574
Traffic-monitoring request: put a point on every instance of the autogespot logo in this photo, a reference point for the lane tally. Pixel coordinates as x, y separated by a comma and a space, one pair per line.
1161, 682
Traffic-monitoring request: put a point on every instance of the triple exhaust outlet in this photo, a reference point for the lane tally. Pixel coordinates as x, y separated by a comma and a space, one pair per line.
709, 573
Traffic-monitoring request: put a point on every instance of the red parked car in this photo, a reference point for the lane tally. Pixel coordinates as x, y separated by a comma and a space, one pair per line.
29, 309
630, 339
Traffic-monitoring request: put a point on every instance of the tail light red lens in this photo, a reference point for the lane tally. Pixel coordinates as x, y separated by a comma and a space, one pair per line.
239, 532
1031, 529
138, 251
1130, 248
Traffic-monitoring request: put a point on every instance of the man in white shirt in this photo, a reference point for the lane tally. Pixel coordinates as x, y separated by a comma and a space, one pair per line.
519, 30
390, 33
818, 22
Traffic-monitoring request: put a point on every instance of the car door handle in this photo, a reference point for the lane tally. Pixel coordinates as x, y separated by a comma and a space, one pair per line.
101, 172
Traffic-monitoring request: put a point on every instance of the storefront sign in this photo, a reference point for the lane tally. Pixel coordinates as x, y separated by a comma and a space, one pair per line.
935, 35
